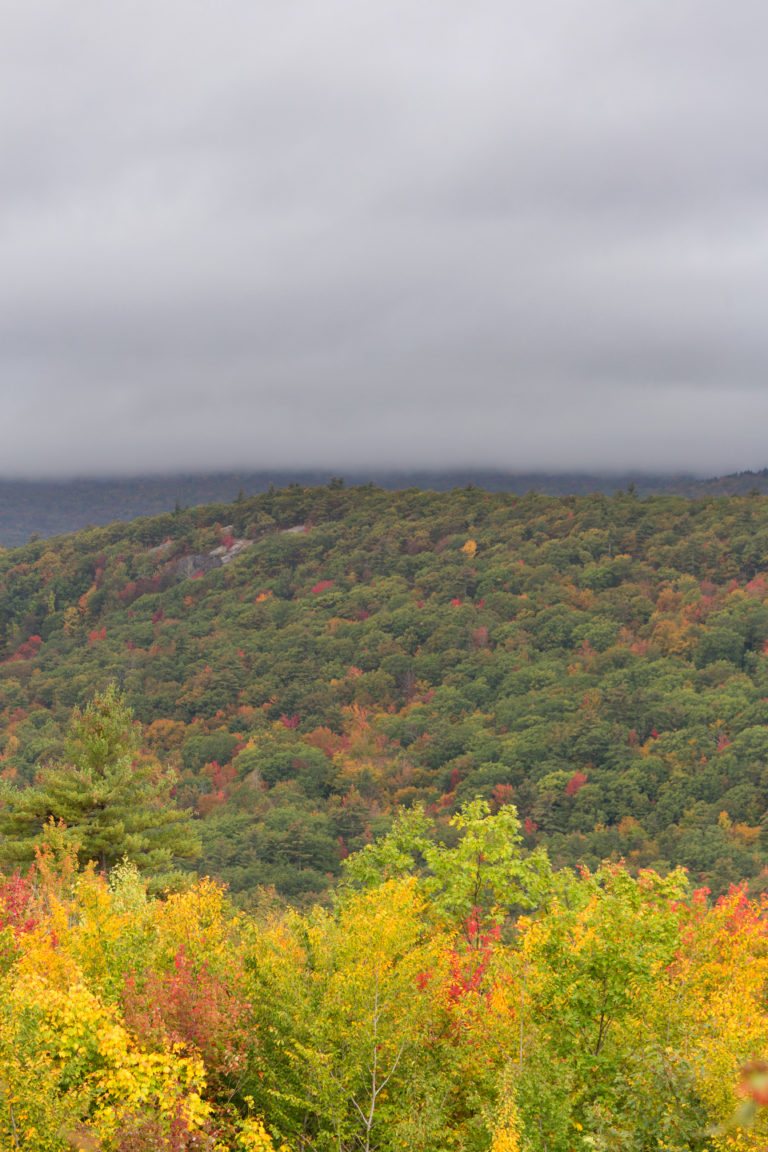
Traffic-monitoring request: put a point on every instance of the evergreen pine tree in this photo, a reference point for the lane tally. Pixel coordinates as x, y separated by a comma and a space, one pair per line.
114, 802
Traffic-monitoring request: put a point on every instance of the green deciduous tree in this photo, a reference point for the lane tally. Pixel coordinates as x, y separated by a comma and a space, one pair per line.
341, 1018
485, 874
600, 1051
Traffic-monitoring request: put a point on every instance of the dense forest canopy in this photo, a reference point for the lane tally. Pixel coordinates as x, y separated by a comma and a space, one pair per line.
456, 994
312, 661
485, 777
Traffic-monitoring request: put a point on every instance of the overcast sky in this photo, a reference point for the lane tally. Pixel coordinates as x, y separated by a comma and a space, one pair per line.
258, 233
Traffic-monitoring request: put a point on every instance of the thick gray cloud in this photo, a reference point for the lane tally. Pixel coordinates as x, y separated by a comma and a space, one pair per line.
524, 235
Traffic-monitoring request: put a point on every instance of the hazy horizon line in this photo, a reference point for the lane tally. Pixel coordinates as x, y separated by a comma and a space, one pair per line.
342, 472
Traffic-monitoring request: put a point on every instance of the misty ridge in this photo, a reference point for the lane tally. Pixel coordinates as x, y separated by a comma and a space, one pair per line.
44, 508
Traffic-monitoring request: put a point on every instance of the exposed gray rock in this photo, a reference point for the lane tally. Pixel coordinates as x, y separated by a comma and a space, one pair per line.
190, 566
227, 554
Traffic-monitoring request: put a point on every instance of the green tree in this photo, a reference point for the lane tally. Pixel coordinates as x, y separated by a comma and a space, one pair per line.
484, 875
599, 1045
114, 801
342, 1015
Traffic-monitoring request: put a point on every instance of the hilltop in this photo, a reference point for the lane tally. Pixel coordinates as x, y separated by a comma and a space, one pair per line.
52, 507
312, 662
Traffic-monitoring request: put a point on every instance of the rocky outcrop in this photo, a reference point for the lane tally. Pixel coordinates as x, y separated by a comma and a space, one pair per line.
226, 553
197, 565
200, 563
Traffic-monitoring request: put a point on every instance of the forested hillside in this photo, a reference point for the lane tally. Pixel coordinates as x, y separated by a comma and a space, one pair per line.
312, 661
486, 778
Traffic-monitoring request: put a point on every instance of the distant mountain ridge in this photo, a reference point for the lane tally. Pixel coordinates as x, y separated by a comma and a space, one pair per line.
52, 507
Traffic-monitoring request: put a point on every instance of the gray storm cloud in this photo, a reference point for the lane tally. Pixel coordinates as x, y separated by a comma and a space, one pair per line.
511, 234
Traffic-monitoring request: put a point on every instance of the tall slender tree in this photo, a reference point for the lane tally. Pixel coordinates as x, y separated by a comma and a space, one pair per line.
114, 802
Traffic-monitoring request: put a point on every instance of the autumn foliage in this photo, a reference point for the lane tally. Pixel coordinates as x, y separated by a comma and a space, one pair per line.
469, 767
455, 996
